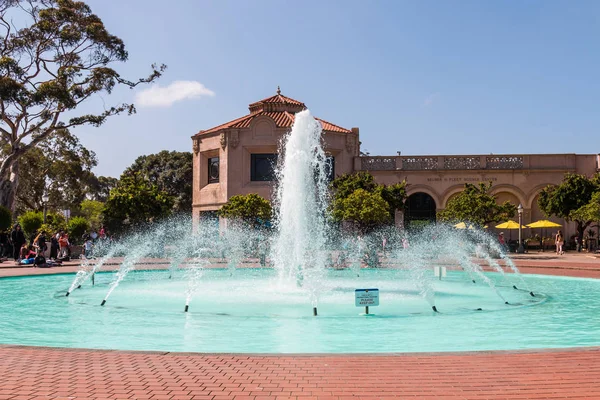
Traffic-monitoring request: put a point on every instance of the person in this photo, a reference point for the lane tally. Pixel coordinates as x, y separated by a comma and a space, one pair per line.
384, 244
559, 240
39, 260
40, 242
24, 252
54, 247
63, 242
4, 245
17, 238
87, 248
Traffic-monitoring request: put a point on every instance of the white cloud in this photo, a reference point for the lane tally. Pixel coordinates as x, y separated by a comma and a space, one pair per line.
157, 96
433, 97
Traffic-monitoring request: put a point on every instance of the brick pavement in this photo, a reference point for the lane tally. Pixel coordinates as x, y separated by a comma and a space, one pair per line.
41, 373
45, 373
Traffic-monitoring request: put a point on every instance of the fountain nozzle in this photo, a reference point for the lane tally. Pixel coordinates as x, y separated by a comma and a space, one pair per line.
314, 311
67, 295
103, 302
434, 308
532, 295
515, 287
506, 302
187, 307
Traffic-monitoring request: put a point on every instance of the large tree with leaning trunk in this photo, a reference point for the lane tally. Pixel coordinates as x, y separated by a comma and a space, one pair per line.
54, 55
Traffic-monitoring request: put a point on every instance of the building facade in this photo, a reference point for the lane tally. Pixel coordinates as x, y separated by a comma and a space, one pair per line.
237, 157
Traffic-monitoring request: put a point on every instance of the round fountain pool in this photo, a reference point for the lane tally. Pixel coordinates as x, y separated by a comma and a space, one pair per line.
250, 313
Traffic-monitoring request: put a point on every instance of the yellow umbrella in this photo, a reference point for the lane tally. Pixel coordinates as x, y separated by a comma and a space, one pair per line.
544, 223
510, 225
461, 225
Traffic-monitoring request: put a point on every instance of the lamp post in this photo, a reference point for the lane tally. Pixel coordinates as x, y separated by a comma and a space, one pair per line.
520, 211
45, 199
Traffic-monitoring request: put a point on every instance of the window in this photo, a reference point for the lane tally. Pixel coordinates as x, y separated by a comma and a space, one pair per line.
262, 167
213, 170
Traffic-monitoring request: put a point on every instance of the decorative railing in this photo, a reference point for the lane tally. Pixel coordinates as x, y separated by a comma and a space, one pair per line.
504, 162
378, 163
419, 163
465, 163
462, 163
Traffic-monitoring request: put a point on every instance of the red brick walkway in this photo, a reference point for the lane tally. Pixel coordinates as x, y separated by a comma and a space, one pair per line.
42, 373
31, 373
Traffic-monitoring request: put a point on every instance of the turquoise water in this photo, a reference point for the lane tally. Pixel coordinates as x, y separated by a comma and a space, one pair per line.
250, 312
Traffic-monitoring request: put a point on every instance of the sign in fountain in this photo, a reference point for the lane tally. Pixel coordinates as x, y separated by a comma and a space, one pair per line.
366, 297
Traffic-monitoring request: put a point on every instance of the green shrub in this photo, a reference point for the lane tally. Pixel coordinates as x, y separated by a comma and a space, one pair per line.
30, 222
55, 222
76, 227
5, 218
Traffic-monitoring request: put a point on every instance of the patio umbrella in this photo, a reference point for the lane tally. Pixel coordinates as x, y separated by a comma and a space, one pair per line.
510, 225
543, 224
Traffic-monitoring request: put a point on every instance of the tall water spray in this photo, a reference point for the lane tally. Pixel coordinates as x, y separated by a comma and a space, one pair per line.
300, 203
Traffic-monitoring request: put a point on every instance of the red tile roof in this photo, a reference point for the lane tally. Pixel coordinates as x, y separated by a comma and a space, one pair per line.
279, 98
280, 109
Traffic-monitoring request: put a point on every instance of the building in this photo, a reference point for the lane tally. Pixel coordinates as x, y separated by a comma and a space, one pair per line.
237, 158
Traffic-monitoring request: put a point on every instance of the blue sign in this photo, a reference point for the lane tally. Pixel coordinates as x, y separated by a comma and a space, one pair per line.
366, 297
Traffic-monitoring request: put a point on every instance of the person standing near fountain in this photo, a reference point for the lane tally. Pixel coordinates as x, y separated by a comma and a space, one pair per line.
559, 240
17, 238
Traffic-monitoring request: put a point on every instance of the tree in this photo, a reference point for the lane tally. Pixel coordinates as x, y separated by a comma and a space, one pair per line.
171, 172
476, 205
60, 166
570, 200
31, 222
135, 201
365, 209
590, 211
346, 185
61, 57
394, 195
91, 210
249, 208
98, 187
5, 218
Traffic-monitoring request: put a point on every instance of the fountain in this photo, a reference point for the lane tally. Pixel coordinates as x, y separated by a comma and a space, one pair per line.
299, 241
255, 288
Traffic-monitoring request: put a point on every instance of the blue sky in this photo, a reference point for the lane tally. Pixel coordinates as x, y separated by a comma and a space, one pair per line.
421, 77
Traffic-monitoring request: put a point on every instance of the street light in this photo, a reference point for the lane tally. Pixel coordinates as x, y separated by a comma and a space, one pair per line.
45, 199
520, 211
